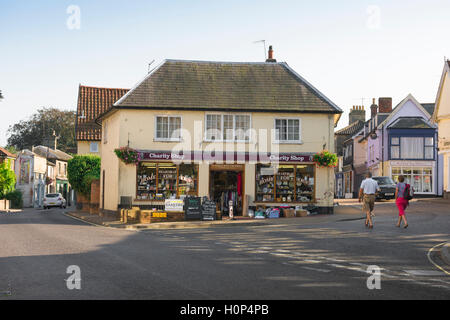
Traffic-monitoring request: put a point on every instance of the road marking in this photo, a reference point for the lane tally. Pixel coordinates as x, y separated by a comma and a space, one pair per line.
424, 272
316, 269
435, 264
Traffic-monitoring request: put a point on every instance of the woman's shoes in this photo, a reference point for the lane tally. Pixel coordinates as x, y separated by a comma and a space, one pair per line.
371, 226
406, 226
397, 225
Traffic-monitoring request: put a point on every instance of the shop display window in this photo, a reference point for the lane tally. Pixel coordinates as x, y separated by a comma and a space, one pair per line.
305, 183
167, 181
187, 180
159, 181
419, 178
285, 183
265, 183
146, 181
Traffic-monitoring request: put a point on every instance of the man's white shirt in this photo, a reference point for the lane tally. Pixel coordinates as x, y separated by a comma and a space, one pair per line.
370, 186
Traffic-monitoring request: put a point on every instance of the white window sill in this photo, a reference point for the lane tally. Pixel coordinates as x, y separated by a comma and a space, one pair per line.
227, 141
167, 140
289, 142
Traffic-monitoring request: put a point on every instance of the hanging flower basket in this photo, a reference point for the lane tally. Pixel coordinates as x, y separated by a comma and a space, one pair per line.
128, 155
325, 159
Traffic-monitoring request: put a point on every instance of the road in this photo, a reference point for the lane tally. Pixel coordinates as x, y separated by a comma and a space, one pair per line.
304, 259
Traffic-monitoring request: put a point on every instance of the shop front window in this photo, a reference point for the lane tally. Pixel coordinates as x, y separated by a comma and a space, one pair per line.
284, 183
187, 179
265, 186
419, 178
159, 181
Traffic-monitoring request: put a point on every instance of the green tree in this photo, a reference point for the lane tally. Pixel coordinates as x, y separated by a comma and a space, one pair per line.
1, 96
81, 170
38, 130
7, 179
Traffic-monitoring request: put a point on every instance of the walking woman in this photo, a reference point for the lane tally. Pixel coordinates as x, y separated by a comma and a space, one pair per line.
401, 201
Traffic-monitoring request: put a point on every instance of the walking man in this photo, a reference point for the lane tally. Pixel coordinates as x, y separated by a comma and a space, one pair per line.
367, 195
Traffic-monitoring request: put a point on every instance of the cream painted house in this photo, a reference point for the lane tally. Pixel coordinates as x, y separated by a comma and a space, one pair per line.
441, 116
243, 133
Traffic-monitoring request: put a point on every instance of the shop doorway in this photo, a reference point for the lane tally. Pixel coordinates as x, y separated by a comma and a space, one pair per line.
227, 185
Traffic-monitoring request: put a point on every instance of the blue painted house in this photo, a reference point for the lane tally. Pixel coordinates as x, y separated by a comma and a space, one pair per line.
405, 143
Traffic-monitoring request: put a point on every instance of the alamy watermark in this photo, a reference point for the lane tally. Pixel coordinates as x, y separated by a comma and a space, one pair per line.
374, 17
74, 280
73, 22
374, 280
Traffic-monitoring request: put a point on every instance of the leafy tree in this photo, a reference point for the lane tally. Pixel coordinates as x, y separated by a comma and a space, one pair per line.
12, 149
7, 179
39, 129
1, 96
81, 170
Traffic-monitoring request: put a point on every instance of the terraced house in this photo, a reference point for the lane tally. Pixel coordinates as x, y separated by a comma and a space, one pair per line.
240, 133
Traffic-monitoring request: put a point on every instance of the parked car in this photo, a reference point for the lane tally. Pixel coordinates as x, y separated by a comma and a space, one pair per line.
54, 200
387, 186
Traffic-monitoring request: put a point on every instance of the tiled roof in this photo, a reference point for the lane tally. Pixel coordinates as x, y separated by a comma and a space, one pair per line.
227, 86
410, 123
93, 101
6, 153
49, 153
351, 129
429, 107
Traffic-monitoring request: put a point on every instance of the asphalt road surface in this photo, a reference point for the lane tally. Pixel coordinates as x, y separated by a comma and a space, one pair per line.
306, 259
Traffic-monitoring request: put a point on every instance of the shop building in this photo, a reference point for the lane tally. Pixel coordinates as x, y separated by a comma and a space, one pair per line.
403, 142
238, 133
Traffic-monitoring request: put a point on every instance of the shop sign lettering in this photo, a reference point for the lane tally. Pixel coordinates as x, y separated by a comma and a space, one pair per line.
225, 156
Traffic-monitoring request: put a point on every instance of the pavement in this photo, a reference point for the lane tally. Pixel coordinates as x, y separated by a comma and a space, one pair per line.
341, 213
344, 210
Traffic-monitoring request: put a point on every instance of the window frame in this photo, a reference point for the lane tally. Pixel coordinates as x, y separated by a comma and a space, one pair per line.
275, 140
222, 128
90, 146
168, 139
295, 193
399, 145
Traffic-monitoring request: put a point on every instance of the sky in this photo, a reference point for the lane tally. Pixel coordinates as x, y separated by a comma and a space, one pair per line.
351, 51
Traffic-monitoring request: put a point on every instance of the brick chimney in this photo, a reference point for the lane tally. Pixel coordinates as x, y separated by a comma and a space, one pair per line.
385, 105
271, 59
373, 109
357, 113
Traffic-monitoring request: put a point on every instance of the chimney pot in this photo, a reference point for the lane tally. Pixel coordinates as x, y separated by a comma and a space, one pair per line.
271, 59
